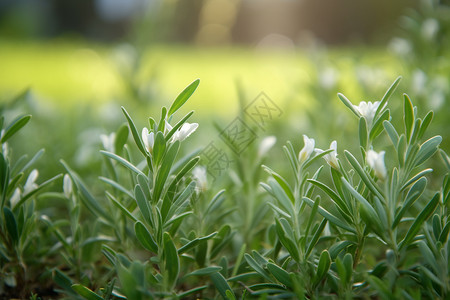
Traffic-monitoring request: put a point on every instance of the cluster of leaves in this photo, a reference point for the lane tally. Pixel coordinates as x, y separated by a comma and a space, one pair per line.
356, 226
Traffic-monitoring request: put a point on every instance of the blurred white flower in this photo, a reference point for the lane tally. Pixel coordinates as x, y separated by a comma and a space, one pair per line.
108, 141
367, 110
400, 46
307, 150
199, 174
430, 28
15, 198
331, 157
266, 144
419, 80
67, 186
148, 139
30, 184
186, 130
328, 78
376, 161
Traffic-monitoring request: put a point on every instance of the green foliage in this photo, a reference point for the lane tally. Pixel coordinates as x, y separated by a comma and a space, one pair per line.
339, 223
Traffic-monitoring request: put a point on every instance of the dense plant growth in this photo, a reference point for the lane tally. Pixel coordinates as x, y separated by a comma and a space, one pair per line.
339, 224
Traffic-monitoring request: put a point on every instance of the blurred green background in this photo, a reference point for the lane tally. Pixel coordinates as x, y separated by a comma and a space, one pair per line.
82, 60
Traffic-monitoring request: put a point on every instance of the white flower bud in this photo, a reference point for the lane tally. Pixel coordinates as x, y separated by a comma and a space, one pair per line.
307, 150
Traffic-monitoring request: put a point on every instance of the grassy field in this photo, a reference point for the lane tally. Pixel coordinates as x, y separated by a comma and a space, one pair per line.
67, 73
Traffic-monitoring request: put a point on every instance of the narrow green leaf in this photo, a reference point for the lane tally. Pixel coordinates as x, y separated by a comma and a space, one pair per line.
159, 148
425, 123
348, 264
348, 104
257, 267
388, 94
144, 236
363, 133
36, 191
183, 97
330, 217
205, 271
417, 225
415, 131
230, 295
323, 266
33, 160
315, 237
89, 200
427, 149
280, 274
335, 249
178, 125
377, 127
121, 207
408, 116
121, 138
186, 168
415, 178
134, 132
363, 175
116, 185
334, 197
63, 281
122, 161
286, 237
162, 120
11, 225
215, 202
436, 225
443, 237
85, 292
195, 242
341, 271
282, 182
143, 205
15, 126
170, 207
221, 284
392, 133
184, 295
281, 196
290, 154
367, 211
172, 261
164, 170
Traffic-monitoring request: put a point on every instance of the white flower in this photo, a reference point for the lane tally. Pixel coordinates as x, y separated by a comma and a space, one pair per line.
15, 198
108, 141
419, 81
307, 150
328, 78
400, 46
430, 28
199, 174
186, 130
148, 139
367, 110
266, 144
67, 186
30, 185
331, 157
376, 162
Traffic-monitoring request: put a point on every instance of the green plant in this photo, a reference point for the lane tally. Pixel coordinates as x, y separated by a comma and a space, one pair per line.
20, 235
